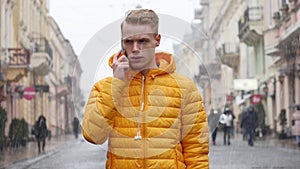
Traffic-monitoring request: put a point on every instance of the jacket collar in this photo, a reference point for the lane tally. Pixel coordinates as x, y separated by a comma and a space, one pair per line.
165, 62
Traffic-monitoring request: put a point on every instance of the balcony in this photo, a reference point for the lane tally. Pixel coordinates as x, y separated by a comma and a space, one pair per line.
214, 70
230, 54
289, 31
204, 2
271, 41
251, 25
69, 82
41, 58
17, 60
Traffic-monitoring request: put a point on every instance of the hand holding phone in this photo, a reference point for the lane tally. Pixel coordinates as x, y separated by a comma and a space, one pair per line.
120, 65
124, 52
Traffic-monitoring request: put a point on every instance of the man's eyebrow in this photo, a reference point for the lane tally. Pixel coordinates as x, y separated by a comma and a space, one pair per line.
133, 38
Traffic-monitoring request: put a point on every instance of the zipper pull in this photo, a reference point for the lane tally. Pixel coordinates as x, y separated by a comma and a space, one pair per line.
138, 136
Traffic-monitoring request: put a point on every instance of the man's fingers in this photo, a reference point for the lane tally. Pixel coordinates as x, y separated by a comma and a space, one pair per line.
123, 58
123, 66
115, 59
120, 64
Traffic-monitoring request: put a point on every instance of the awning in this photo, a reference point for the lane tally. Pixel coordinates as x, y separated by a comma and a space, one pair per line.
239, 100
245, 84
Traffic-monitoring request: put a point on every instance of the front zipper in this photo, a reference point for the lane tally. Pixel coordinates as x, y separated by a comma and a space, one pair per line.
138, 134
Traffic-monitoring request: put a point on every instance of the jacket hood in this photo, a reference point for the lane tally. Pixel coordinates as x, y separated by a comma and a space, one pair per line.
165, 62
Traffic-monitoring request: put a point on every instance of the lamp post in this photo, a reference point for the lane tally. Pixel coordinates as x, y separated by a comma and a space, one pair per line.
281, 78
266, 90
2, 80
298, 71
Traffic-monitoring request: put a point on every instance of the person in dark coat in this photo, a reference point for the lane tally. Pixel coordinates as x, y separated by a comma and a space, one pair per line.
76, 127
249, 123
213, 122
40, 128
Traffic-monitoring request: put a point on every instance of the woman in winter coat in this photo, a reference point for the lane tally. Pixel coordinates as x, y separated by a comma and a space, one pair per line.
40, 131
151, 116
226, 121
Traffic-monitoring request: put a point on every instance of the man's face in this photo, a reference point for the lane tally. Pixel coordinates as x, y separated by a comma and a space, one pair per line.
140, 42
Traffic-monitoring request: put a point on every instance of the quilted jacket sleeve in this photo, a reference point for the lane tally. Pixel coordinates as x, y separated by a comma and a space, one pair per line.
100, 110
195, 133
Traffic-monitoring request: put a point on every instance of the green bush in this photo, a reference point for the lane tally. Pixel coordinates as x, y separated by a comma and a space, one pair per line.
18, 132
3, 119
261, 115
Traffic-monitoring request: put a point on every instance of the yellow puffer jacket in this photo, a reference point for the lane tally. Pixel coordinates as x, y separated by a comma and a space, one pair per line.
156, 121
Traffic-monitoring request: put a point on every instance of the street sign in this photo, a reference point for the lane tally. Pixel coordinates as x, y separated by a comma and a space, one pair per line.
41, 88
255, 99
29, 93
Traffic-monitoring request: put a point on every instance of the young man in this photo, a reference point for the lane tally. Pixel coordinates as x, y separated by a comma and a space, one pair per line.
250, 123
151, 116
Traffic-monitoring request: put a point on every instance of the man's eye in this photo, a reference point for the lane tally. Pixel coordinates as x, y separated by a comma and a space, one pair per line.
128, 41
142, 41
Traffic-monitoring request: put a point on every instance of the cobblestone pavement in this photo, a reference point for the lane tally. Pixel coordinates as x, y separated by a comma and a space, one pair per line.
78, 155
12, 155
265, 154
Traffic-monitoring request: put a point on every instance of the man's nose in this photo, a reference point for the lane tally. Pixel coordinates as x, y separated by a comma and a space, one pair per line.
136, 46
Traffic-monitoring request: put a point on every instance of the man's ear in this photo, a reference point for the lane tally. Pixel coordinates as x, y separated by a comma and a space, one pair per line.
157, 38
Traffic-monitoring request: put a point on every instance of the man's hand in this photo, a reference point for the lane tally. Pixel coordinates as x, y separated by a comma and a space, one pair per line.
120, 66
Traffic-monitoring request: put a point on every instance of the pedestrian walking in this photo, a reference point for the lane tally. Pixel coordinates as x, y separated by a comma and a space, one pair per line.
249, 123
225, 120
75, 127
232, 126
151, 116
296, 125
213, 123
40, 131
240, 117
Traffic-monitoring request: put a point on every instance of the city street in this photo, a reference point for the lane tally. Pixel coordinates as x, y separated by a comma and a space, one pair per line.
261, 156
149, 71
264, 155
77, 154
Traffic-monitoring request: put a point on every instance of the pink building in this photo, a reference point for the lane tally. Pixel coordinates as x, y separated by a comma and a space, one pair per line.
282, 43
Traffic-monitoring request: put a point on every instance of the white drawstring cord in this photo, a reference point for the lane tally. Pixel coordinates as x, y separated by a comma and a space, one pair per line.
138, 133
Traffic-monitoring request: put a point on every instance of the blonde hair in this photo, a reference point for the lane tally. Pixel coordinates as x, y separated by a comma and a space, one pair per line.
142, 17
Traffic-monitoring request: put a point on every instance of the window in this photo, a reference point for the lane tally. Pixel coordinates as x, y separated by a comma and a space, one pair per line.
270, 13
283, 2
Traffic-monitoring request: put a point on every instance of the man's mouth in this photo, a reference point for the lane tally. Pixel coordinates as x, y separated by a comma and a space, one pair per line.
136, 58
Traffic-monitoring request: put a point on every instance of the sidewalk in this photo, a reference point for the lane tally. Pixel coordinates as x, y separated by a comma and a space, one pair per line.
29, 154
269, 141
289, 143
267, 153
10, 156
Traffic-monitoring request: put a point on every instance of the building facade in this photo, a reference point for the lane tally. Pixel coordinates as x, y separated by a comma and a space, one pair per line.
257, 41
281, 27
39, 67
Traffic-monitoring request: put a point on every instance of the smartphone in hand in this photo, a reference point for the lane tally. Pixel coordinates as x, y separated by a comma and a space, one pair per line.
120, 65
124, 52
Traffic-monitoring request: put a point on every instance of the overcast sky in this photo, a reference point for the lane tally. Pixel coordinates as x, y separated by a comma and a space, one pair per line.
80, 20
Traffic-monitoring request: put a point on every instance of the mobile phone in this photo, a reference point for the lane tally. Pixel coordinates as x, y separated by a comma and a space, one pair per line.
123, 50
